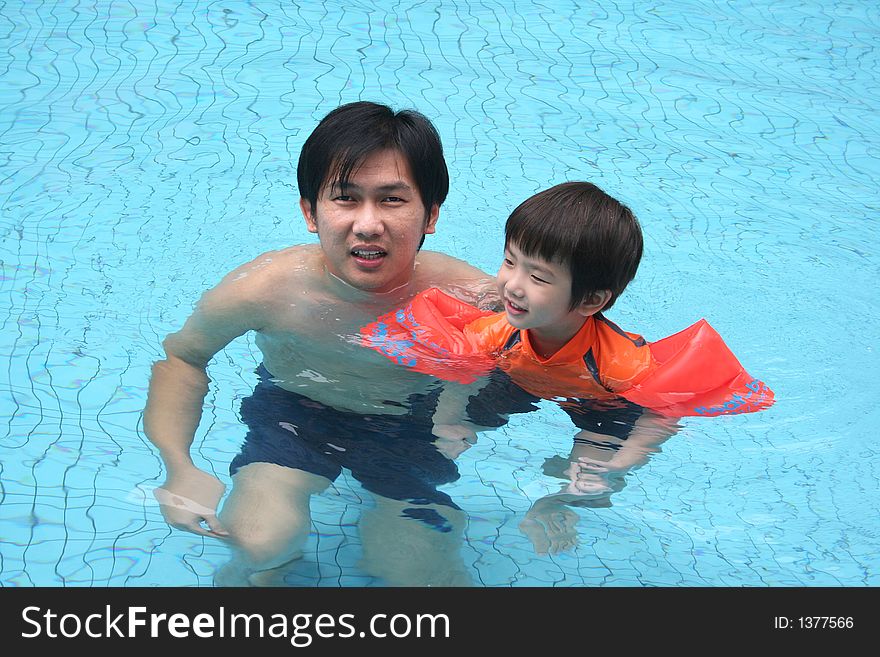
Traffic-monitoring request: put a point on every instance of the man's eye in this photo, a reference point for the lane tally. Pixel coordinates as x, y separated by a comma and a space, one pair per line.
343, 198
393, 199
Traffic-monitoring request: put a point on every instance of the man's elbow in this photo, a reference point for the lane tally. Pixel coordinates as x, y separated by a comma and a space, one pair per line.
178, 352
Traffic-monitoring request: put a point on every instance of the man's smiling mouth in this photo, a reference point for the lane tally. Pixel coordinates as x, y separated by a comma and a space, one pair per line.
368, 254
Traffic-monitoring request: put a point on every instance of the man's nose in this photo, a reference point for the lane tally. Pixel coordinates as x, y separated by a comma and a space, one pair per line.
368, 221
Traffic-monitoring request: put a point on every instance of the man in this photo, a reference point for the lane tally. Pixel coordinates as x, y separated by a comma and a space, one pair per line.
371, 184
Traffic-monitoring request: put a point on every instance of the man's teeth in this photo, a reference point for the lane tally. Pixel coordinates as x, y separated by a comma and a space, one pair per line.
368, 255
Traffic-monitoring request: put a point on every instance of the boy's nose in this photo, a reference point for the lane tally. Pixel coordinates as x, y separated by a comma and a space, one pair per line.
513, 286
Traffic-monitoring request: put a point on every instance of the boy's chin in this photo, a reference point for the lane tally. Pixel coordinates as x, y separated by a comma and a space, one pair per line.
517, 321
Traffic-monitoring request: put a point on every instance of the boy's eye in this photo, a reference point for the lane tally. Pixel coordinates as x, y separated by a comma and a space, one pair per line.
508, 262
539, 280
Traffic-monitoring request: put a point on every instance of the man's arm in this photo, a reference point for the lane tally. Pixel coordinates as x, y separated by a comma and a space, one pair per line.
461, 280
178, 386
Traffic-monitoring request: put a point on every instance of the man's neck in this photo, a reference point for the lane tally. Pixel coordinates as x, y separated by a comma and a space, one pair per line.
339, 289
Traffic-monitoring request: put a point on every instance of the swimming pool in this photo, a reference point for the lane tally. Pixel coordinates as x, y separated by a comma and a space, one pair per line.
149, 147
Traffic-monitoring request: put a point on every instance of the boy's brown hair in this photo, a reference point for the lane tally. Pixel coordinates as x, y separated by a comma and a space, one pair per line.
579, 225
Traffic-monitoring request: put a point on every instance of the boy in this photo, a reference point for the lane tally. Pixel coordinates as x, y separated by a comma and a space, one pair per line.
570, 251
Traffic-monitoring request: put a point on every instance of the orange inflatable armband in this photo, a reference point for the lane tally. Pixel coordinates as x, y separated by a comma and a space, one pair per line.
693, 371
697, 374
426, 336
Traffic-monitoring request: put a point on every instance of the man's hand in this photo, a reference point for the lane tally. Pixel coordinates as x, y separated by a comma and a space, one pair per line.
189, 498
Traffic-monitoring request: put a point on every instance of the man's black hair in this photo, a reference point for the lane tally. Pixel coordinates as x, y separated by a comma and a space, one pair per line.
351, 133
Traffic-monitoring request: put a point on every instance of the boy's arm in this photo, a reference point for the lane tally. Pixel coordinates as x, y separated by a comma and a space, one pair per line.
593, 474
649, 432
453, 400
177, 390
454, 430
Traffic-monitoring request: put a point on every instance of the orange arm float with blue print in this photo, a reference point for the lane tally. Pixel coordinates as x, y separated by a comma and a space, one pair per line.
693, 373
427, 335
697, 374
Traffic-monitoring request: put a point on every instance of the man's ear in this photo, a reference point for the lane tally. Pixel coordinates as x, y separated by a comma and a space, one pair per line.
594, 303
309, 216
431, 222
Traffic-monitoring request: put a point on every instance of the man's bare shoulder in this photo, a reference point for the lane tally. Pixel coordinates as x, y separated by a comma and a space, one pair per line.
252, 291
434, 263
251, 297
458, 278
271, 272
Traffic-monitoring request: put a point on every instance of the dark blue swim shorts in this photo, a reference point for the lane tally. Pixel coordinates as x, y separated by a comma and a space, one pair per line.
390, 455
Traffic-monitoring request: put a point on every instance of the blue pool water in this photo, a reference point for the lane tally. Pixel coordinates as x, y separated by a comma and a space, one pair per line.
147, 148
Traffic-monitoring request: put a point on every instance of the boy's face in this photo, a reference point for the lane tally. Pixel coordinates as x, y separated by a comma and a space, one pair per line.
371, 229
537, 295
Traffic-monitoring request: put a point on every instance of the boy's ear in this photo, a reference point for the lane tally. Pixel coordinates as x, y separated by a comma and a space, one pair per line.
594, 303
306, 209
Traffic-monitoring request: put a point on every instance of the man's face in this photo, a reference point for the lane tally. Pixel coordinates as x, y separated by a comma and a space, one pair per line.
371, 228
